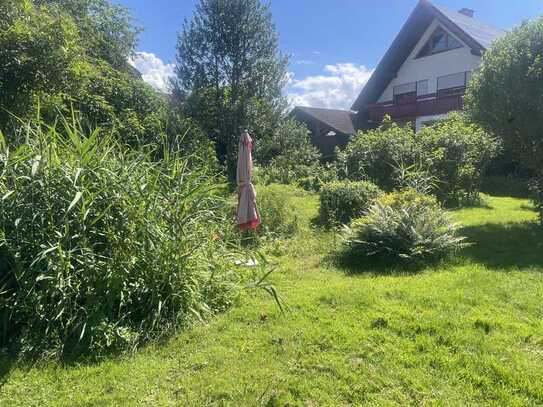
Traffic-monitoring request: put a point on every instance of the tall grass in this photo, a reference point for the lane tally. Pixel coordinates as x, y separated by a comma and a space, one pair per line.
103, 247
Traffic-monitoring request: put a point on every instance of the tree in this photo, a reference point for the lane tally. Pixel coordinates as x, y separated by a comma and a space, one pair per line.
108, 30
39, 51
506, 95
60, 55
227, 56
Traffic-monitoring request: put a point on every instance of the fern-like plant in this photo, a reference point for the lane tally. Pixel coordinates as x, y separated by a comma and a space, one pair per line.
407, 226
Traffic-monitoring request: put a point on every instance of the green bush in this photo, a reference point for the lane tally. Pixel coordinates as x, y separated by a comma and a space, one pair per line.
456, 153
452, 152
376, 154
103, 247
504, 95
403, 226
276, 210
341, 201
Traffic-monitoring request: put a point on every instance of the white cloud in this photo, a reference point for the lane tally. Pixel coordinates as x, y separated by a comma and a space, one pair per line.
337, 88
153, 70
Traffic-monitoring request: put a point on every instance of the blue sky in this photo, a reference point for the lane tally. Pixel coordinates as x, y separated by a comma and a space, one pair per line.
334, 44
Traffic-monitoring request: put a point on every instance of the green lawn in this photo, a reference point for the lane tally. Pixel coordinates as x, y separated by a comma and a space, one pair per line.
467, 332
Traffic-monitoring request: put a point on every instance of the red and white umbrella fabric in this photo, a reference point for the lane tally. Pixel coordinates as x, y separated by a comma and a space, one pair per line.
248, 217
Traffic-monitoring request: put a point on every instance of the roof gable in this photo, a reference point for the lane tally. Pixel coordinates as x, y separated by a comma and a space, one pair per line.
478, 36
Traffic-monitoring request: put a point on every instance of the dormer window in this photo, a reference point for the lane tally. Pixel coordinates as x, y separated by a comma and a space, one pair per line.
440, 41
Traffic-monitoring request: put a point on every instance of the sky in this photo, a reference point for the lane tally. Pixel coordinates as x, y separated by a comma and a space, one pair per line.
334, 45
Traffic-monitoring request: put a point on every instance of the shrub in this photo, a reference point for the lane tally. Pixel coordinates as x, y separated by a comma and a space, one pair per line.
341, 201
504, 96
456, 154
453, 152
406, 226
375, 154
276, 211
103, 247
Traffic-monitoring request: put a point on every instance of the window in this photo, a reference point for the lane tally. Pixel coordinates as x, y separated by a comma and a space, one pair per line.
422, 87
408, 92
404, 94
455, 80
439, 41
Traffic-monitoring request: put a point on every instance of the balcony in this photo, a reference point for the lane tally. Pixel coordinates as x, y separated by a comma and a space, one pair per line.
444, 101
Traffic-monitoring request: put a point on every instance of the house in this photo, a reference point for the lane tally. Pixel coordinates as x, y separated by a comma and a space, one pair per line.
424, 73
329, 128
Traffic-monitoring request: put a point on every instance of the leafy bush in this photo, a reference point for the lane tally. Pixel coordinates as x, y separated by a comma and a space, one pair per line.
375, 154
276, 211
504, 96
456, 153
453, 152
406, 226
341, 201
288, 136
103, 247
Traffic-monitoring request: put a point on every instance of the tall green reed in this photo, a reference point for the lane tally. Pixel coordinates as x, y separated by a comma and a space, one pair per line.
104, 247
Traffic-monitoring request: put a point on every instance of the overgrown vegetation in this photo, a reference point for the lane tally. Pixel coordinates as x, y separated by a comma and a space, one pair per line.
59, 55
463, 332
232, 79
287, 156
276, 212
452, 154
103, 247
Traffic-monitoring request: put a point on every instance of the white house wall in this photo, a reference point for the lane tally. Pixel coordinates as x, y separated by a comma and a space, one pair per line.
433, 66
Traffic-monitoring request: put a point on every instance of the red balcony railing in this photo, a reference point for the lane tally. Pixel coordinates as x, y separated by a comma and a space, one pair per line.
435, 103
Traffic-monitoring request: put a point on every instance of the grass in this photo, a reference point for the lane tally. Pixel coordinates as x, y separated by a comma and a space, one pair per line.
468, 331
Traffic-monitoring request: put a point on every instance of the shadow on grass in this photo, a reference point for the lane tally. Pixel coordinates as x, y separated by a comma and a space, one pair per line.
505, 245
355, 264
6, 363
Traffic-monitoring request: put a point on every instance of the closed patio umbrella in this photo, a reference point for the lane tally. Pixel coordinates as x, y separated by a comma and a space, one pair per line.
248, 217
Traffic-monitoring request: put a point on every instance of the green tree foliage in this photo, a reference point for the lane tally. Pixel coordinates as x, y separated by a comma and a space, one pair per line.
72, 54
449, 157
39, 51
108, 30
506, 95
228, 59
287, 156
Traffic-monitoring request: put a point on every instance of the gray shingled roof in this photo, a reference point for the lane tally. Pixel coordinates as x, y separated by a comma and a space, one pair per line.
481, 32
340, 120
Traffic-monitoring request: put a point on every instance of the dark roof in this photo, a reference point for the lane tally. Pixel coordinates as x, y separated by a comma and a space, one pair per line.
481, 32
339, 120
478, 36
